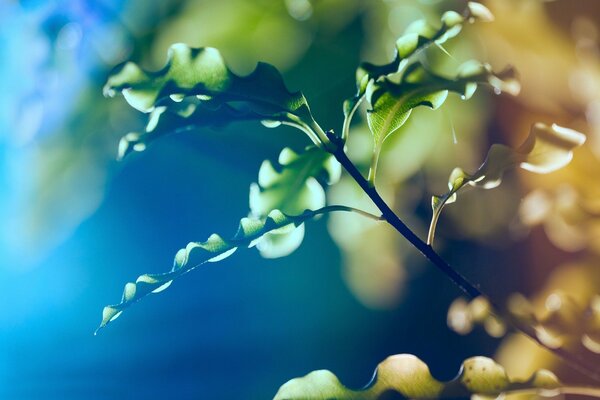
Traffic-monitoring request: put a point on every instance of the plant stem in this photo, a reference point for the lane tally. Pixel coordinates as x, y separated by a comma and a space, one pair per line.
586, 391
349, 209
373, 167
393, 220
432, 225
472, 290
348, 117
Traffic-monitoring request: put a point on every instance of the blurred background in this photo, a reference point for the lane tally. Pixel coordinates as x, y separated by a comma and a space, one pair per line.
77, 224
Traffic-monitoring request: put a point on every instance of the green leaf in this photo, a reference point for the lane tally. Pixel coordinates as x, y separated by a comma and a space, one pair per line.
293, 187
545, 150
409, 377
183, 116
202, 73
392, 103
417, 37
215, 248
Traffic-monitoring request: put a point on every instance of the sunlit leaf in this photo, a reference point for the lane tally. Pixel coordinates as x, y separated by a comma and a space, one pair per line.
409, 377
546, 149
202, 73
292, 187
417, 37
215, 248
392, 102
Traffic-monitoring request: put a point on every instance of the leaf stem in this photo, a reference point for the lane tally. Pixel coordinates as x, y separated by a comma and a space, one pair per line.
323, 137
337, 207
373, 166
587, 391
348, 118
432, 225
472, 290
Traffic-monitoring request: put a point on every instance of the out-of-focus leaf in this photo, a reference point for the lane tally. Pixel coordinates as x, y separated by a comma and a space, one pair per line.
463, 315
215, 248
203, 73
564, 322
409, 377
579, 281
568, 218
417, 37
372, 253
293, 187
545, 150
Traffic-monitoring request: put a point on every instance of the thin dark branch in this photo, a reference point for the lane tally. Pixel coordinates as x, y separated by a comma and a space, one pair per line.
573, 360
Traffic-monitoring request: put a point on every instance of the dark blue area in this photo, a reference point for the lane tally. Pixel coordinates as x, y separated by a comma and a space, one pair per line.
234, 329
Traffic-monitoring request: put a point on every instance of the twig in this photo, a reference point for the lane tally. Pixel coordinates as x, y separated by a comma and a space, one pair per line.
573, 360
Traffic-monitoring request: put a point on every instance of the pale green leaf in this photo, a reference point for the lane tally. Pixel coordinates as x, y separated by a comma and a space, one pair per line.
479, 11
409, 377
202, 73
215, 248
292, 187
417, 37
391, 103
546, 149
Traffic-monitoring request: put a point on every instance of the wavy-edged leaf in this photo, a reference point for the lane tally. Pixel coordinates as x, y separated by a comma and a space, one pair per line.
417, 37
392, 103
546, 149
203, 73
190, 113
292, 187
407, 376
215, 248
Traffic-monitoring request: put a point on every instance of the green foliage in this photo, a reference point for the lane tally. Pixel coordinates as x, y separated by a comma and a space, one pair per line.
409, 377
545, 150
203, 74
189, 113
196, 88
418, 37
195, 254
393, 90
392, 102
292, 188
565, 322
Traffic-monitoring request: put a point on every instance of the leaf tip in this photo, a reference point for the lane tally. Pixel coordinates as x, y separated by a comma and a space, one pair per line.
549, 148
480, 12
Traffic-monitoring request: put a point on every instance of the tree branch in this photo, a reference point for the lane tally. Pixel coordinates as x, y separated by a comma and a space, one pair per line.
575, 361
